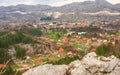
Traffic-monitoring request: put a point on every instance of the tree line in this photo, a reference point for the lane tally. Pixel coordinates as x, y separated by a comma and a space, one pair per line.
11, 39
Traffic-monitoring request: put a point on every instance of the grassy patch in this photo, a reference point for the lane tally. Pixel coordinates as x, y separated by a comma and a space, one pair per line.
65, 60
35, 32
2, 33
118, 33
56, 34
15, 67
32, 63
75, 45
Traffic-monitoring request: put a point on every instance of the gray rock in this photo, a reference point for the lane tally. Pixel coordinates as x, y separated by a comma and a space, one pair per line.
48, 69
12, 52
92, 64
76, 68
116, 71
95, 64
78, 71
112, 63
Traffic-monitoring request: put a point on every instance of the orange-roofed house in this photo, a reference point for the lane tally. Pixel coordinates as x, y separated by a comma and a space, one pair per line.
70, 53
38, 59
48, 55
64, 39
61, 50
113, 42
117, 38
51, 39
1, 65
94, 49
55, 52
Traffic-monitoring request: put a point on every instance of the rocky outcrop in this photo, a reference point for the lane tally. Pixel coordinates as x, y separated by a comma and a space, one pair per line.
91, 64
48, 69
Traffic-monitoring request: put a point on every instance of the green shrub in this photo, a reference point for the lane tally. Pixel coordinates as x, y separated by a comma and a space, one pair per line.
35, 32
46, 18
108, 50
3, 56
102, 50
14, 39
10, 71
117, 33
65, 60
20, 52
2, 33
28, 40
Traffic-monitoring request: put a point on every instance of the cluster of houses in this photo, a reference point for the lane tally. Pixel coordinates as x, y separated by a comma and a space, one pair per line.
63, 25
86, 43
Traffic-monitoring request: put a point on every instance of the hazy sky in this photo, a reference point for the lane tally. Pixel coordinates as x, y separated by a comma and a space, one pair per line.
45, 2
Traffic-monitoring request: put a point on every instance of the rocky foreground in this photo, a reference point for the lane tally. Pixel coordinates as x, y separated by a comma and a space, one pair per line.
91, 64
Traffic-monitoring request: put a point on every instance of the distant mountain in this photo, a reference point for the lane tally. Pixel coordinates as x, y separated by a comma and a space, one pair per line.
88, 10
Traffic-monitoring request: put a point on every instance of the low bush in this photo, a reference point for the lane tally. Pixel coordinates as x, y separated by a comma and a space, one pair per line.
35, 32
12, 39
108, 50
4, 56
65, 60
20, 52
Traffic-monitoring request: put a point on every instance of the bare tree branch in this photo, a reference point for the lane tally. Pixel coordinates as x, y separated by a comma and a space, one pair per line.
3, 69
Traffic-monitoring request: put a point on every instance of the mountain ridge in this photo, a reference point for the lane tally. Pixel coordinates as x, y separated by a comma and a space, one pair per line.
31, 13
